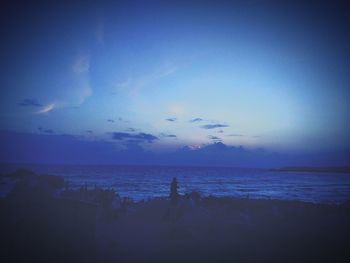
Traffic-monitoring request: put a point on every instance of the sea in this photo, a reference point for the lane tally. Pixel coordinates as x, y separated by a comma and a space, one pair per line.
146, 182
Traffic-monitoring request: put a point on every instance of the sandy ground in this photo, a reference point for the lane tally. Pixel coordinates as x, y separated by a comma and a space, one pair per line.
227, 230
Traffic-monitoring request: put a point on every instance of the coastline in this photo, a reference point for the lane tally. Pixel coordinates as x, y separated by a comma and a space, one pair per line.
345, 170
96, 225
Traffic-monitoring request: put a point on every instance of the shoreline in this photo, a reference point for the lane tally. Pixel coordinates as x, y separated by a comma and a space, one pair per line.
8, 181
97, 225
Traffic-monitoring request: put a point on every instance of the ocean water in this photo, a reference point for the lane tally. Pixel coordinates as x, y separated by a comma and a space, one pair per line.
143, 182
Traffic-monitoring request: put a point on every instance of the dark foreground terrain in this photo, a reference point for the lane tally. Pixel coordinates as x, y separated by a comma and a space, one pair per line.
43, 220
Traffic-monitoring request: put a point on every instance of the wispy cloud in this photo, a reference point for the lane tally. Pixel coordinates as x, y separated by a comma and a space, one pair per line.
213, 126
165, 135
120, 85
30, 103
81, 88
196, 120
47, 108
122, 120
34, 103
136, 84
171, 119
100, 28
75, 86
235, 135
81, 64
145, 137
110, 120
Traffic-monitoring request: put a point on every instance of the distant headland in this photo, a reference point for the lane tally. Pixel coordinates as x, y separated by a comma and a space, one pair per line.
341, 169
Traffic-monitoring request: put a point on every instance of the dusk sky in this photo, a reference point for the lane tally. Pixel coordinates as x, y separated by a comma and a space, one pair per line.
163, 75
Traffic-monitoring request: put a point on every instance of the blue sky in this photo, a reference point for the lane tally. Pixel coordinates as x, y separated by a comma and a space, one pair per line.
261, 74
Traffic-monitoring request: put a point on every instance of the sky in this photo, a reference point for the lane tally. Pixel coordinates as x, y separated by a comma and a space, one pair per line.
163, 76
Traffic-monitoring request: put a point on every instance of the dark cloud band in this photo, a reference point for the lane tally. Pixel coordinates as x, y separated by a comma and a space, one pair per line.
213, 126
139, 136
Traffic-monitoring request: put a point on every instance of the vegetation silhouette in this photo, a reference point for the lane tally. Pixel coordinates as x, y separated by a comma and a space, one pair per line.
44, 220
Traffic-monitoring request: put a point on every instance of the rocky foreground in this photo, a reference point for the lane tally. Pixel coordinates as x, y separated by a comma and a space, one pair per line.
43, 220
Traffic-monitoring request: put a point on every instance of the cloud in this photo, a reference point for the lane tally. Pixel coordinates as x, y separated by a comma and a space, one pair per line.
196, 120
49, 131
110, 120
47, 108
75, 84
123, 84
90, 131
30, 103
235, 135
171, 119
220, 131
34, 103
80, 88
81, 64
122, 120
213, 126
214, 138
137, 84
139, 136
68, 149
100, 28
168, 135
